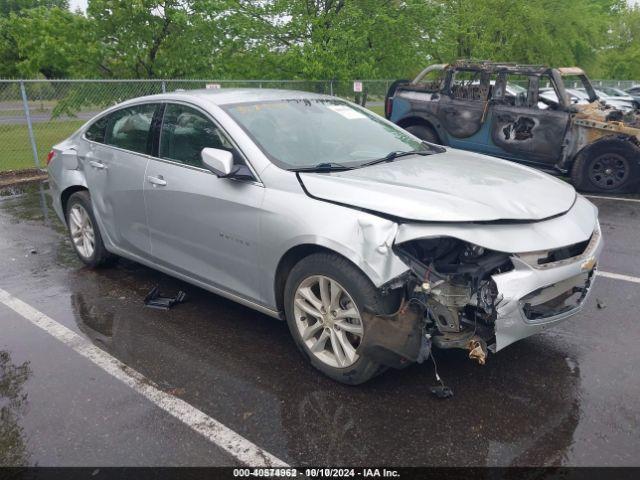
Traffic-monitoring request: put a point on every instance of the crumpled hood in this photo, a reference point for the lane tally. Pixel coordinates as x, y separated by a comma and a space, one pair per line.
454, 186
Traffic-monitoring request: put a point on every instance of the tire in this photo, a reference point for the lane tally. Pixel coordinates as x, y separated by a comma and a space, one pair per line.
608, 166
80, 204
359, 289
424, 132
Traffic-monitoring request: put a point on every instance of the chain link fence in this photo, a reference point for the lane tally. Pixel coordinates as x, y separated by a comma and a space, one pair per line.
36, 114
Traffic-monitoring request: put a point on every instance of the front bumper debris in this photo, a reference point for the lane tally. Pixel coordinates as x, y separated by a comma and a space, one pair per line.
534, 298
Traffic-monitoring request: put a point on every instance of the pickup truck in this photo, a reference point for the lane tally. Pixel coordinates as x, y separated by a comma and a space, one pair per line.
523, 113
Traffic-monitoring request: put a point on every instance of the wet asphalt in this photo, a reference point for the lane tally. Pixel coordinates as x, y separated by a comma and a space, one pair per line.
568, 396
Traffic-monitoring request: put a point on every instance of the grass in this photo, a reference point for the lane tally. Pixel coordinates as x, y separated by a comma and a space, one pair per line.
15, 148
379, 109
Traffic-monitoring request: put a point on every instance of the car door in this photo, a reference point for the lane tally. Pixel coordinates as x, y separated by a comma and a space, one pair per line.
461, 109
114, 166
201, 226
524, 128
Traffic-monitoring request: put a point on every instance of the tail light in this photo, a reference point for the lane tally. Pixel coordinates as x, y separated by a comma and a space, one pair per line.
388, 108
50, 156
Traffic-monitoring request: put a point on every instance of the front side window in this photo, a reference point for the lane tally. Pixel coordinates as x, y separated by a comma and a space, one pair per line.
517, 90
304, 133
185, 132
129, 128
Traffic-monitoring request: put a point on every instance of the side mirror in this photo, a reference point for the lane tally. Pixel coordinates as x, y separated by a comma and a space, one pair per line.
220, 162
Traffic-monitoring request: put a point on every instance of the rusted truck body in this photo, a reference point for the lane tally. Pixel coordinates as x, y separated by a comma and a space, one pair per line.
522, 113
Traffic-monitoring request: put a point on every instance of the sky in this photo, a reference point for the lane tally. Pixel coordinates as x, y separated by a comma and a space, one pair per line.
74, 4
83, 4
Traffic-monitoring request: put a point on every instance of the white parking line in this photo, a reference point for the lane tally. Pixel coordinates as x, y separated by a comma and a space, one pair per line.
214, 431
617, 276
635, 200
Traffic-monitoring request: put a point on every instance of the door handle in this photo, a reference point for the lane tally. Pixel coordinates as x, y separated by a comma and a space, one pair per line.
98, 165
157, 181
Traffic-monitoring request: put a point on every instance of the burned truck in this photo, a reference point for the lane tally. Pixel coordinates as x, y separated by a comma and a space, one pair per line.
523, 113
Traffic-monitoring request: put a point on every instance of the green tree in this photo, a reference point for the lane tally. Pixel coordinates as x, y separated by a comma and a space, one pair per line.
16, 6
45, 41
141, 38
620, 57
540, 31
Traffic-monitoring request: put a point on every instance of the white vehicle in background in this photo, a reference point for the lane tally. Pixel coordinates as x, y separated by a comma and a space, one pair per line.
623, 103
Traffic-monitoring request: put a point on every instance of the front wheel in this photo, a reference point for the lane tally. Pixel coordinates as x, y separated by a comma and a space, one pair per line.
607, 167
325, 297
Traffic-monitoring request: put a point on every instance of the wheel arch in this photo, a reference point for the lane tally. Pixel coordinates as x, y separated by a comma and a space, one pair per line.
420, 120
66, 194
621, 139
296, 253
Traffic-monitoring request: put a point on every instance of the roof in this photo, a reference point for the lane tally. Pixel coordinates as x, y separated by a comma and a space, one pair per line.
513, 67
224, 96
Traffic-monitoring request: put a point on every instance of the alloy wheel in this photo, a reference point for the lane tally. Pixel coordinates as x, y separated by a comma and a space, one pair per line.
82, 232
328, 321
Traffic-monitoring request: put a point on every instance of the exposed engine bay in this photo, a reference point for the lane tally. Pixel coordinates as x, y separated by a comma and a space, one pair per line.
450, 287
454, 286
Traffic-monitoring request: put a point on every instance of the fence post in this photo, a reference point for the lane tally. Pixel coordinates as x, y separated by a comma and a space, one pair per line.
164, 86
32, 137
331, 87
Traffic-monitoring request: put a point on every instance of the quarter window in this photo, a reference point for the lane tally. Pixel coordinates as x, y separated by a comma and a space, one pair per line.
129, 128
96, 131
185, 132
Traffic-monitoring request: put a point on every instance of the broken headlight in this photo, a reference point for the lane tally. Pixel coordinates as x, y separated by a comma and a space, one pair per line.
447, 257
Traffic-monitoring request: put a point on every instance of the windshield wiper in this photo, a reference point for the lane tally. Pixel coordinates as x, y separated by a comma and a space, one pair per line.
323, 167
391, 156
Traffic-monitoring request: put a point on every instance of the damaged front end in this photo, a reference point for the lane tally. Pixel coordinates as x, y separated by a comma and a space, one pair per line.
460, 295
449, 301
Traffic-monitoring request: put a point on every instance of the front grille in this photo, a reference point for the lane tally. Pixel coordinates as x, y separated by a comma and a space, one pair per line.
564, 253
544, 259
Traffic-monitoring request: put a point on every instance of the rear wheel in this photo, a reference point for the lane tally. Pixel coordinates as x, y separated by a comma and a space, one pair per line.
83, 231
607, 166
424, 132
325, 297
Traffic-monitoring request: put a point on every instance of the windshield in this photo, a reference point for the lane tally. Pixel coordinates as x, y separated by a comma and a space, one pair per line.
305, 133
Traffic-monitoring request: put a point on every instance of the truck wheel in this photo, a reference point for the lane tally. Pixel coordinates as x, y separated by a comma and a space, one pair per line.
607, 166
424, 132
83, 231
325, 296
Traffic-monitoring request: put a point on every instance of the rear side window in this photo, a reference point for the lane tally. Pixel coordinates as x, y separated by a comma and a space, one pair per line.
97, 130
129, 128
185, 132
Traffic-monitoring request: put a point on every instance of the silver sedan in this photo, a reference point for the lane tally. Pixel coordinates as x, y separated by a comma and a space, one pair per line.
375, 247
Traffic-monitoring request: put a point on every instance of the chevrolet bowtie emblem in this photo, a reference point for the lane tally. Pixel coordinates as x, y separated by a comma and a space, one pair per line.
588, 264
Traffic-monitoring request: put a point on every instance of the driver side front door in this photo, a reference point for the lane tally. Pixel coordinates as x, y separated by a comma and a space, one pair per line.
522, 129
201, 226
